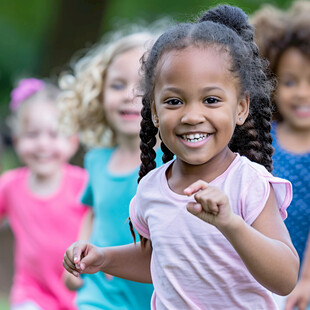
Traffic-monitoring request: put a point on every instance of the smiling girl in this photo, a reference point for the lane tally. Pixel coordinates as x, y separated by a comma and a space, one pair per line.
210, 220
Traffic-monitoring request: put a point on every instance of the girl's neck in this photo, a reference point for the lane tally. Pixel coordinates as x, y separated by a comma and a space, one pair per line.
45, 185
126, 156
182, 174
293, 139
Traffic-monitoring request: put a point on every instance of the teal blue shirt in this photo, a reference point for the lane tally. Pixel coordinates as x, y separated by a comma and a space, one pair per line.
110, 195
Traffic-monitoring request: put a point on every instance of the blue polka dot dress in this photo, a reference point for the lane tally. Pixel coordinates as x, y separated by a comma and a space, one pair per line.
296, 169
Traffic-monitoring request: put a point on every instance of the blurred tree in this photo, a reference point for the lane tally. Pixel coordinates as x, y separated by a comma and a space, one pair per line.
77, 24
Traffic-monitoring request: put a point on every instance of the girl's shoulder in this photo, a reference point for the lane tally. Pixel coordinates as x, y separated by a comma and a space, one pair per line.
14, 176
98, 154
155, 174
252, 182
76, 173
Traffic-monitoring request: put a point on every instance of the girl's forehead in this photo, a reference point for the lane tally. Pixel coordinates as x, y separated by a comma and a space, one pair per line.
204, 56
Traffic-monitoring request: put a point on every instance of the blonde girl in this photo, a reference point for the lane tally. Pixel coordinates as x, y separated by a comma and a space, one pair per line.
101, 103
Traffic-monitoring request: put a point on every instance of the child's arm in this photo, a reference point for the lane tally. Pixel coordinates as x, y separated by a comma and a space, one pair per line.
300, 297
265, 247
72, 283
129, 261
87, 225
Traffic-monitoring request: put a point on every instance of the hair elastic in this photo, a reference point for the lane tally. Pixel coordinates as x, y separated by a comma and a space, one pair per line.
24, 89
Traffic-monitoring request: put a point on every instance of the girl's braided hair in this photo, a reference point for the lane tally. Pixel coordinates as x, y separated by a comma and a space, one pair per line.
224, 27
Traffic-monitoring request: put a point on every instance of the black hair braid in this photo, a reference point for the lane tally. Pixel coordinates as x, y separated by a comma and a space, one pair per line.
148, 140
253, 138
168, 155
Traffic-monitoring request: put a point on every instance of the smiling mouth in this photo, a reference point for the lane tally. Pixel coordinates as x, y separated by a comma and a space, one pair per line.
195, 137
129, 113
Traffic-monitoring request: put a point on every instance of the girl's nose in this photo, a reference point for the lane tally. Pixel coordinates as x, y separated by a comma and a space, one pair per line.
193, 115
132, 95
44, 141
303, 90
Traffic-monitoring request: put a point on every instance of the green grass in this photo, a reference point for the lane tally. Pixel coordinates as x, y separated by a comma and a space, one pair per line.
4, 303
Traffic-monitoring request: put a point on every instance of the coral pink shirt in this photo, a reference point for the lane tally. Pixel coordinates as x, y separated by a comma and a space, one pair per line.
43, 228
193, 266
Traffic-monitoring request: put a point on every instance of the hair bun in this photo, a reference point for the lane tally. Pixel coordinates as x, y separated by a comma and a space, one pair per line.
231, 17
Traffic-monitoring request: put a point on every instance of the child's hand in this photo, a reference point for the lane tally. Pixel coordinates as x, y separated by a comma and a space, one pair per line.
72, 283
212, 204
83, 257
300, 297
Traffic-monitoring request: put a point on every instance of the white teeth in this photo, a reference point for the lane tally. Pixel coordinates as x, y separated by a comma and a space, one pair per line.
303, 108
195, 137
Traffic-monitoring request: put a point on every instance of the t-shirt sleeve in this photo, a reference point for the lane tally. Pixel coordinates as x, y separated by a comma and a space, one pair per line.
87, 197
256, 194
137, 218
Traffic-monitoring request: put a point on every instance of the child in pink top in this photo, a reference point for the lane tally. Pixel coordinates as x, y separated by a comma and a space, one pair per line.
210, 220
41, 200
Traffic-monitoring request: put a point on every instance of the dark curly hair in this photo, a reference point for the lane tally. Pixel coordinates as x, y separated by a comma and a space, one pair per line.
277, 30
226, 27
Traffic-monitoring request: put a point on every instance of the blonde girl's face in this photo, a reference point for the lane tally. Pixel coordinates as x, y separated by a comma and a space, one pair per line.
121, 105
293, 91
38, 144
197, 104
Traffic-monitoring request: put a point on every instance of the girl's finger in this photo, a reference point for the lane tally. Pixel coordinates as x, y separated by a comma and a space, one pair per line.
77, 253
195, 187
194, 208
69, 269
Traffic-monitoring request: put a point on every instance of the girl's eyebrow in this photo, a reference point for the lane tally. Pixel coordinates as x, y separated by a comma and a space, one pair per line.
179, 90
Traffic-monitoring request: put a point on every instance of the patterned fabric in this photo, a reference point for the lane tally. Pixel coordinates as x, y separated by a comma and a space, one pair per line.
295, 168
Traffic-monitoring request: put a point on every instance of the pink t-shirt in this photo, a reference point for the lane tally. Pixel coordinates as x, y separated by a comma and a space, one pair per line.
193, 266
43, 228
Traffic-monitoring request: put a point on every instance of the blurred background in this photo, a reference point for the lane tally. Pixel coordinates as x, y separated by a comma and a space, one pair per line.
38, 39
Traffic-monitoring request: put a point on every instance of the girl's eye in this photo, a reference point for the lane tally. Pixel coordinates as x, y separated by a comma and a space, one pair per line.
53, 134
288, 83
118, 86
31, 134
173, 101
211, 100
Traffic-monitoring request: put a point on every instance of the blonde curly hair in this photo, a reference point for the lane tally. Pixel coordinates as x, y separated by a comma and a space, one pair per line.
80, 101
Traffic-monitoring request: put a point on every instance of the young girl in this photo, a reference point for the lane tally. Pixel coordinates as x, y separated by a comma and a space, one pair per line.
41, 200
212, 219
99, 102
284, 39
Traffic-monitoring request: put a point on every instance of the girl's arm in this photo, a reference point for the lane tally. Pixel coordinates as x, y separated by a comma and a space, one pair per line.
300, 297
87, 225
265, 247
131, 261
73, 283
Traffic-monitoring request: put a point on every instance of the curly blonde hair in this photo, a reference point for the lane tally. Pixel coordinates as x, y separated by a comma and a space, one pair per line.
80, 102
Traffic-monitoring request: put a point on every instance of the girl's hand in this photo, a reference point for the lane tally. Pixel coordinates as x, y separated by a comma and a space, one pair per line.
300, 297
71, 282
212, 205
83, 257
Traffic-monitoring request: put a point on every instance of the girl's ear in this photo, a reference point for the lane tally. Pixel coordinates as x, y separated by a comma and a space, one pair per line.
154, 115
243, 109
